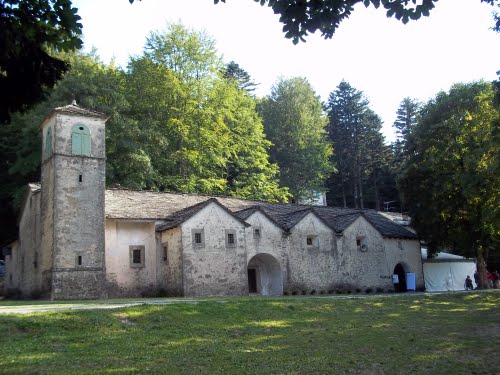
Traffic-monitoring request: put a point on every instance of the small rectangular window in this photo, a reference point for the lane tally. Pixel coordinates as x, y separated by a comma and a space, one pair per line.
198, 237
137, 256
230, 238
80, 178
165, 252
309, 241
256, 232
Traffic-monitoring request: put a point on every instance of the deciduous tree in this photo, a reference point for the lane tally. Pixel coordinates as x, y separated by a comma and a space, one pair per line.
296, 125
199, 129
29, 29
451, 181
303, 17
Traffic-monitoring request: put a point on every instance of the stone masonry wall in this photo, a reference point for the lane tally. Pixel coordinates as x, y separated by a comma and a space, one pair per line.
78, 194
173, 266
311, 268
214, 269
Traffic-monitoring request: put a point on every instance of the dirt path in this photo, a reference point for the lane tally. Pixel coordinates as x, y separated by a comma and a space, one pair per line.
103, 304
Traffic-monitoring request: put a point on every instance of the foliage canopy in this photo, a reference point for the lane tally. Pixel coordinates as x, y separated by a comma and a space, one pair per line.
30, 29
451, 180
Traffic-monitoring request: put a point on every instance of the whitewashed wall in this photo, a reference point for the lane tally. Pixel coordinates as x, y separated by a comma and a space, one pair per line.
122, 279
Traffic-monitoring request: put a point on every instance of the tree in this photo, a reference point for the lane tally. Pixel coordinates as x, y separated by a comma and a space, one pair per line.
30, 29
354, 130
233, 71
199, 130
303, 17
406, 117
295, 124
406, 120
451, 181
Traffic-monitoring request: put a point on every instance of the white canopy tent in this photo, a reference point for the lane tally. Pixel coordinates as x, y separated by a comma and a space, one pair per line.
446, 272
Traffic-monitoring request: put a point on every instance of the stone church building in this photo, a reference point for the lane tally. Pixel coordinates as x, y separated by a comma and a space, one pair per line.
78, 239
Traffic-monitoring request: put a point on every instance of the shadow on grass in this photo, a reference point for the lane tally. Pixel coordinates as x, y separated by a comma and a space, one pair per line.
450, 333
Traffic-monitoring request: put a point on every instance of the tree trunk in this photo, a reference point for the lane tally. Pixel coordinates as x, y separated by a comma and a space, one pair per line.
377, 198
355, 191
481, 270
360, 189
343, 190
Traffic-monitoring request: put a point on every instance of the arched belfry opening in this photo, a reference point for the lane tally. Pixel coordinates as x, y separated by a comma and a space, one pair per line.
265, 276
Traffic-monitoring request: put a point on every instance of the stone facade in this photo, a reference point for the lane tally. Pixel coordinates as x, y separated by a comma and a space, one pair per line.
79, 240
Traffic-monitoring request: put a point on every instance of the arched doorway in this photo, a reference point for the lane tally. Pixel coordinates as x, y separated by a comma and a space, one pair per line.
265, 276
401, 272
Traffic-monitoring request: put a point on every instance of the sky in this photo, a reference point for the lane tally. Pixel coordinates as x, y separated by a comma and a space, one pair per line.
380, 56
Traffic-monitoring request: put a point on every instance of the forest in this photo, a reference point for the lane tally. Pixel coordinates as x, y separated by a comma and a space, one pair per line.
182, 119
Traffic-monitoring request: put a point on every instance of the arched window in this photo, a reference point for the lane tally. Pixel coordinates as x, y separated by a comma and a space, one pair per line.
48, 143
80, 140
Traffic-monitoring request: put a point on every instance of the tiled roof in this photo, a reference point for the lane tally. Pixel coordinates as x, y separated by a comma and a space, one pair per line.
174, 208
181, 216
77, 110
150, 205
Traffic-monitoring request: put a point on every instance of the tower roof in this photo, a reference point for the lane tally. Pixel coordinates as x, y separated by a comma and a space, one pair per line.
77, 110
74, 109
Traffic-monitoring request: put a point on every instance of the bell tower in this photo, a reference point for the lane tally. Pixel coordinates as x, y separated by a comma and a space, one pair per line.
72, 202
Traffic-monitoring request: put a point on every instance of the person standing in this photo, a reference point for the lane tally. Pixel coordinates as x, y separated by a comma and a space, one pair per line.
468, 283
489, 276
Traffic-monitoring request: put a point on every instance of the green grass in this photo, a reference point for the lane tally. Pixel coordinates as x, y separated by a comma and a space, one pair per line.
457, 333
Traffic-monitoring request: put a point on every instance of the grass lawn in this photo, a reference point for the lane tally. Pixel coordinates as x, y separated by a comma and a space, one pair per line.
456, 333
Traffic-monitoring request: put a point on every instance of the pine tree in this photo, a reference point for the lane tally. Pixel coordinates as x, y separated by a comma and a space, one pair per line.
354, 130
234, 72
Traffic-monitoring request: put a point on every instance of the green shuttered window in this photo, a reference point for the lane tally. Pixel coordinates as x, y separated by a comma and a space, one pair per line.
80, 140
48, 143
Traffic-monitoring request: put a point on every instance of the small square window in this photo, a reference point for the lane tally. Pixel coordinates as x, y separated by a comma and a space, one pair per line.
198, 237
137, 256
312, 241
361, 243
